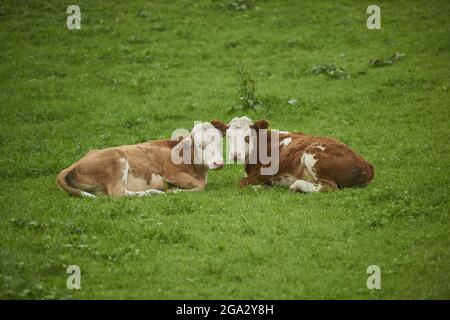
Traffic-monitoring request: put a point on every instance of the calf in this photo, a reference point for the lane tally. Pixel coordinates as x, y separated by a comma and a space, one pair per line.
147, 168
305, 163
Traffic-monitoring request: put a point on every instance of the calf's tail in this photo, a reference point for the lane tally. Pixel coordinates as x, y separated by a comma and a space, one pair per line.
63, 180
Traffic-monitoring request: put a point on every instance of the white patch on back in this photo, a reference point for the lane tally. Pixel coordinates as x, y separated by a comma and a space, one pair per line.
284, 143
309, 161
126, 167
305, 186
284, 132
319, 146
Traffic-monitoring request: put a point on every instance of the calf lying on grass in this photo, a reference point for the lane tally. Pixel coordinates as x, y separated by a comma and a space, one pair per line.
304, 163
146, 168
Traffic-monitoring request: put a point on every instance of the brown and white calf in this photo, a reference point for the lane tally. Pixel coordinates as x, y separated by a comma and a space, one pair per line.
305, 163
147, 168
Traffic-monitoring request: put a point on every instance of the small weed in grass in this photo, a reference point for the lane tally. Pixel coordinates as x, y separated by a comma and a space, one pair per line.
386, 62
246, 95
240, 5
331, 71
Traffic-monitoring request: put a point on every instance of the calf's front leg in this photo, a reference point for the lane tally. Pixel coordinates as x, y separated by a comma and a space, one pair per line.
186, 182
321, 185
255, 179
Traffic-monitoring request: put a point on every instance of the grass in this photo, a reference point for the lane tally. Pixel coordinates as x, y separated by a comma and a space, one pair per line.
138, 70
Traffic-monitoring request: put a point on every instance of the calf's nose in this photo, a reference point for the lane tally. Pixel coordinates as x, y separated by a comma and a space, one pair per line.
218, 164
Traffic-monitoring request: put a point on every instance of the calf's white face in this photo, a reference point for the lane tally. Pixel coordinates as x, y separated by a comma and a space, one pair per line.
239, 138
208, 145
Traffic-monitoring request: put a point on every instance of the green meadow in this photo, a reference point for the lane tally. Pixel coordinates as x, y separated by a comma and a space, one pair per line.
137, 70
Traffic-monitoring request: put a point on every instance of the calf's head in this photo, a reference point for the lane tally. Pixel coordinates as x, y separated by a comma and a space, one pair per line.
242, 134
207, 145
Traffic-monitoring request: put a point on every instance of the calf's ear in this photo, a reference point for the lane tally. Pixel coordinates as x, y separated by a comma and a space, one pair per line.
261, 124
219, 125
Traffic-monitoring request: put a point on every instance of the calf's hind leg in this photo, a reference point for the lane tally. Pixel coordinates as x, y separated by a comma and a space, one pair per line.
147, 192
118, 187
